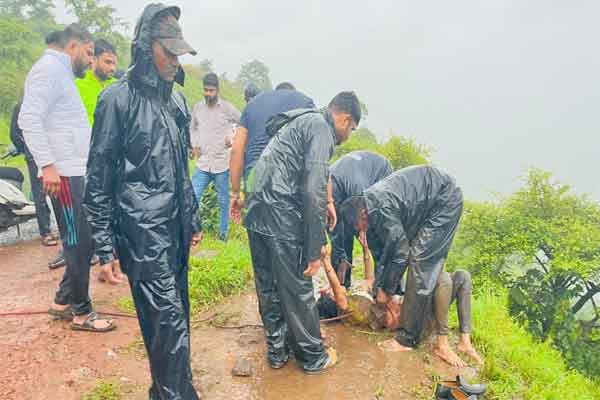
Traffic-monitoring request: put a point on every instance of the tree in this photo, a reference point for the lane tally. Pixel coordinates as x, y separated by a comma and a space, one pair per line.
19, 48
255, 72
102, 22
543, 242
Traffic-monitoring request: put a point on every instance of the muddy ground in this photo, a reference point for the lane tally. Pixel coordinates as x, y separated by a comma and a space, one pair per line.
43, 359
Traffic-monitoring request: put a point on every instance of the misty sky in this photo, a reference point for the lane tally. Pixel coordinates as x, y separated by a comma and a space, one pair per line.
493, 87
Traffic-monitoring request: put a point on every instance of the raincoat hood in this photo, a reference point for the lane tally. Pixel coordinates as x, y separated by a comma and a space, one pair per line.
275, 123
142, 70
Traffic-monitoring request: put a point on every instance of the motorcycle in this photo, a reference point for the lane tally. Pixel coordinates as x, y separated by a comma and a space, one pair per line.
15, 209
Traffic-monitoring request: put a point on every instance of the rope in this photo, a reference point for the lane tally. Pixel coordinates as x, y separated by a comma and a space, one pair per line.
35, 312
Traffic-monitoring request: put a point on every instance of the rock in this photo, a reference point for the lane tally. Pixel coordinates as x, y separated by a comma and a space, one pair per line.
111, 354
243, 367
247, 339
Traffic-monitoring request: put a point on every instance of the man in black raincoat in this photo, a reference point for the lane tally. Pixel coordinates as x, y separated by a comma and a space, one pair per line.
285, 219
350, 175
139, 197
414, 213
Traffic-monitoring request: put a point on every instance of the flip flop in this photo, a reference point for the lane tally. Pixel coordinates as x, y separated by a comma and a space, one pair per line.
88, 324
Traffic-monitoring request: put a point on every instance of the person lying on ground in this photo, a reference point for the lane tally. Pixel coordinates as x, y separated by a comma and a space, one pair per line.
456, 286
350, 176
414, 214
286, 222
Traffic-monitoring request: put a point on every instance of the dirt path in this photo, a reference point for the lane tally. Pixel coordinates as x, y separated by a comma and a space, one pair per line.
44, 359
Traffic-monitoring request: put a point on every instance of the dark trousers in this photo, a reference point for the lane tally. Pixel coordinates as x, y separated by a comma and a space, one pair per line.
342, 240
428, 252
286, 302
163, 311
42, 211
76, 238
456, 286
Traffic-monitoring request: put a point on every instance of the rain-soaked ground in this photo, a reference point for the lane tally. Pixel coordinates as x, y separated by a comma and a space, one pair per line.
44, 359
364, 371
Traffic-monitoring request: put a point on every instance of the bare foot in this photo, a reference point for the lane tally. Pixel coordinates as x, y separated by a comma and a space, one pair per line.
471, 352
449, 356
392, 345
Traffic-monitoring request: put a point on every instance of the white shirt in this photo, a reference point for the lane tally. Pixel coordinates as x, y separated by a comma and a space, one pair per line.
53, 119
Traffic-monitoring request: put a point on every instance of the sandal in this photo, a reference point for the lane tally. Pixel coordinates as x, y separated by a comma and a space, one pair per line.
49, 241
88, 324
64, 315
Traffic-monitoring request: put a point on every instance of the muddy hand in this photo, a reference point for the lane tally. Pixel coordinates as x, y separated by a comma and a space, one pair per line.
313, 268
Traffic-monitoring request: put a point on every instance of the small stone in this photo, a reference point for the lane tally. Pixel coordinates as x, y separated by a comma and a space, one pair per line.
247, 339
243, 367
125, 380
111, 354
85, 371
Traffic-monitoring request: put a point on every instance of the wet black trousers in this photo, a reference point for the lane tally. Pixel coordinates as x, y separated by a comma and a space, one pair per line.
428, 252
76, 237
163, 311
286, 303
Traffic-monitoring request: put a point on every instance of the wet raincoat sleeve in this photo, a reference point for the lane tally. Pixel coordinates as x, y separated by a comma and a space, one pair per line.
102, 168
318, 151
395, 253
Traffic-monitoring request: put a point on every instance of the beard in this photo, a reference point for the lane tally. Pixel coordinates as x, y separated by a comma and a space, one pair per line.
79, 69
211, 99
101, 75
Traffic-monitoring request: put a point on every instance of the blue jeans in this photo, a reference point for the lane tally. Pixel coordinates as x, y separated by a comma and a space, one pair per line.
200, 182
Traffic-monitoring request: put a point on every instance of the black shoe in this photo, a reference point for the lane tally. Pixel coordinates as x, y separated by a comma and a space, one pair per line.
223, 237
58, 262
278, 364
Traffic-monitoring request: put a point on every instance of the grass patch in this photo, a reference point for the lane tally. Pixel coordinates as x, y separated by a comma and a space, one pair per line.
516, 366
213, 278
104, 390
125, 304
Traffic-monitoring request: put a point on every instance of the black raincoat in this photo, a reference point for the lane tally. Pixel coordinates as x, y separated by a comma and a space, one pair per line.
350, 176
414, 214
139, 199
285, 218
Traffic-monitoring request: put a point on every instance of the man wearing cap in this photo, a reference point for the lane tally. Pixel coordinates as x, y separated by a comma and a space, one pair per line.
139, 197
212, 131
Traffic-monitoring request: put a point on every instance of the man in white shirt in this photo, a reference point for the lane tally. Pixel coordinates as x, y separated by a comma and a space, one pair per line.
57, 132
211, 136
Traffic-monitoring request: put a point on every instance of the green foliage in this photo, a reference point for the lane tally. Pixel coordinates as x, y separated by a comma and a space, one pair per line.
102, 22
213, 277
401, 152
517, 367
543, 242
255, 72
20, 47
